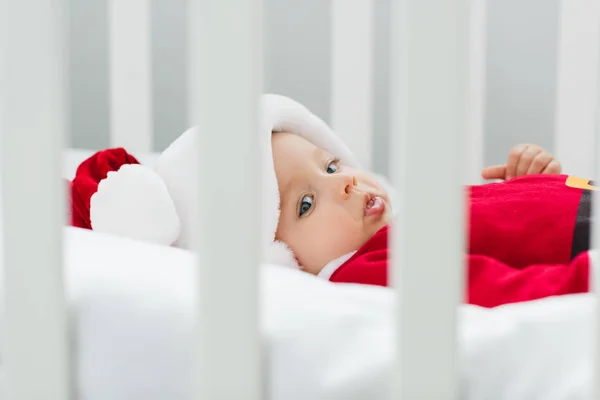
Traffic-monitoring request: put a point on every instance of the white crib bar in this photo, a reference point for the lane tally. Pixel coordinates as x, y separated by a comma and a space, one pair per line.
429, 42
35, 351
226, 79
577, 85
475, 110
352, 75
130, 72
594, 284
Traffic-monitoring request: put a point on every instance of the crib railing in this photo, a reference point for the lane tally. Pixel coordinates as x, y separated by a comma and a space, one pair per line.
577, 81
437, 108
428, 132
352, 88
130, 74
33, 117
226, 76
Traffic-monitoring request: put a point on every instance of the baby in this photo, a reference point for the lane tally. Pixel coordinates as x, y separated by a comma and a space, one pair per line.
529, 235
327, 209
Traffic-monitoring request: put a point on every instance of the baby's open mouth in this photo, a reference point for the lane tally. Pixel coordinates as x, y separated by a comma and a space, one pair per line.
375, 205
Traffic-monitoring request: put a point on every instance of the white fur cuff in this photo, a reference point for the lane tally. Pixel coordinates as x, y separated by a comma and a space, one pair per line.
134, 202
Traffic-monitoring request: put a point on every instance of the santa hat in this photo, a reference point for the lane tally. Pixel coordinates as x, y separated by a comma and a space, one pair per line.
176, 168
87, 178
282, 114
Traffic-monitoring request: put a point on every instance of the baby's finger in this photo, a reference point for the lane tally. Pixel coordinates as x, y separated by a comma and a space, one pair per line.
526, 159
540, 163
494, 172
553, 167
513, 160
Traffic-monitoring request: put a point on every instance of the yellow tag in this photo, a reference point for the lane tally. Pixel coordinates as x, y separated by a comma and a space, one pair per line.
579, 183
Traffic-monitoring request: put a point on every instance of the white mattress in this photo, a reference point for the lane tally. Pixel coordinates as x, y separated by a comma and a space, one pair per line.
133, 305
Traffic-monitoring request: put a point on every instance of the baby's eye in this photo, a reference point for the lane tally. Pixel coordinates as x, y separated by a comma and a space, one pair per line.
305, 205
332, 167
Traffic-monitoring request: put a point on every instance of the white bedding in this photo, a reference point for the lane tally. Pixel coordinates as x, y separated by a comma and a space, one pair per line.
134, 307
133, 304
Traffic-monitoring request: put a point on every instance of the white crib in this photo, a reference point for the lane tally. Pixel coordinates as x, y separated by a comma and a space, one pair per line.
80, 323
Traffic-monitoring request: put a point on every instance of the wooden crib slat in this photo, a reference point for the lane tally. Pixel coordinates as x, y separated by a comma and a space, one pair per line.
594, 278
130, 74
589, 137
476, 92
226, 80
428, 132
33, 117
352, 75
577, 86
577, 116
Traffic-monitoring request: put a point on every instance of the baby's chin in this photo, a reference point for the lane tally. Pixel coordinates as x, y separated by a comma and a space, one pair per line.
375, 227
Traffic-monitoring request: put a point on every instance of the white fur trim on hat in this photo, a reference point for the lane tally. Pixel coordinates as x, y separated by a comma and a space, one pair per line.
278, 253
333, 265
134, 202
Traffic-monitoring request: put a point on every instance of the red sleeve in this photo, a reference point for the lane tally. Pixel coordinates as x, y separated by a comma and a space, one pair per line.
492, 283
489, 282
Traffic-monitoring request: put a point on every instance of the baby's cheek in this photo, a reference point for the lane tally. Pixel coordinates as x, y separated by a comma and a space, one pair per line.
338, 238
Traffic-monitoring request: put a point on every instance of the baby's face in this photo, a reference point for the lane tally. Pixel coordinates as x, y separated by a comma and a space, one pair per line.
327, 209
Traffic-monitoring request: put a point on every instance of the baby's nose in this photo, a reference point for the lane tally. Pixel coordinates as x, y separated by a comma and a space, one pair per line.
348, 184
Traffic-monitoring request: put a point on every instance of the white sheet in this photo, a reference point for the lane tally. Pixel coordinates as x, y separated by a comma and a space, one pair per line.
134, 307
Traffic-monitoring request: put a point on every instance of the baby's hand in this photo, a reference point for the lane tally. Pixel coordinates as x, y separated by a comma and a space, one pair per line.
524, 159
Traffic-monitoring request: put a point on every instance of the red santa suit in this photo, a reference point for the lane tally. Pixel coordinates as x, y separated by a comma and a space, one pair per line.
528, 239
